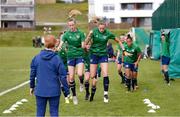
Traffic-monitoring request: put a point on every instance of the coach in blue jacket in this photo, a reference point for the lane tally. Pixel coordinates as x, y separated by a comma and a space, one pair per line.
49, 71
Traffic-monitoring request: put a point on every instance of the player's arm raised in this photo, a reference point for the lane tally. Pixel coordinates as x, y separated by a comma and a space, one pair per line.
122, 46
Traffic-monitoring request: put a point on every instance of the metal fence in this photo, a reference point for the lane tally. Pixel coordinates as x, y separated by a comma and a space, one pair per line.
167, 16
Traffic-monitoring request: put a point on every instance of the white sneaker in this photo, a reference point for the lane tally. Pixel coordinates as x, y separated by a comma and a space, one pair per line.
75, 100
168, 84
81, 88
70, 96
106, 99
66, 100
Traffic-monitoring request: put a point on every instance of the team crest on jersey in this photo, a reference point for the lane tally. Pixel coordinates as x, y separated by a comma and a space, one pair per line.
77, 36
104, 37
70, 37
96, 36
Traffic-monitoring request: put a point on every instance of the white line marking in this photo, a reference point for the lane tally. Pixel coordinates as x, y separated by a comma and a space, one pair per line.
14, 88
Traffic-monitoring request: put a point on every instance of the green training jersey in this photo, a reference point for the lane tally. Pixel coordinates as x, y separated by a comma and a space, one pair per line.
74, 40
134, 50
99, 41
165, 47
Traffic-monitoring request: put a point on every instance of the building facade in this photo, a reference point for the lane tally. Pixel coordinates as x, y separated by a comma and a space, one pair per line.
135, 12
72, 1
45, 1
17, 14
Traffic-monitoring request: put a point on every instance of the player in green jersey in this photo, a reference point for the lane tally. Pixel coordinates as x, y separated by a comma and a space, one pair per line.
63, 54
75, 41
98, 55
131, 62
165, 56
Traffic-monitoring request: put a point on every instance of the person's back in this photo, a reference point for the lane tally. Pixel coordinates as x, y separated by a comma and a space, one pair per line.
47, 65
49, 71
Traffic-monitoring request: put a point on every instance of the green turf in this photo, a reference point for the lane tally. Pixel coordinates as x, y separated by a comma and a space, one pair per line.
19, 38
14, 65
151, 85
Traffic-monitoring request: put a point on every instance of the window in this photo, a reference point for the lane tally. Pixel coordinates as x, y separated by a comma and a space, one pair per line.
136, 6
5, 10
144, 6
91, 2
145, 21
8, 10
127, 6
105, 8
111, 20
3, 1
23, 10
129, 20
23, 1
111, 8
108, 8
23, 24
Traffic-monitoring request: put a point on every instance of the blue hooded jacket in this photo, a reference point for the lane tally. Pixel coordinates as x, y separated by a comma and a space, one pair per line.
49, 71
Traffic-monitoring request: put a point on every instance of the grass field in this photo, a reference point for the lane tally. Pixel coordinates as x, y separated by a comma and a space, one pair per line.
14, 69
19, 38
24, 38
16, 53
59, 12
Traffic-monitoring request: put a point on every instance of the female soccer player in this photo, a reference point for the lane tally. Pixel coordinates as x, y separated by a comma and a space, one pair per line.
63, 54
98, 55
165, 56
75, 41
131, 62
